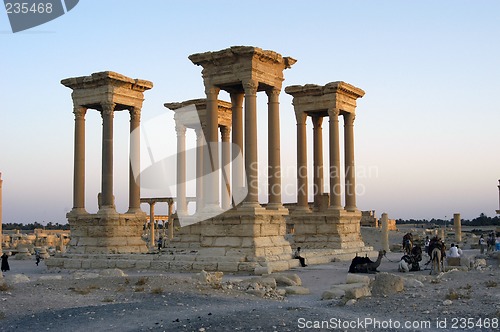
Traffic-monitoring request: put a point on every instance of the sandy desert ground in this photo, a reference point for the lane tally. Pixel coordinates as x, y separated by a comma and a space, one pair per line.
143, 300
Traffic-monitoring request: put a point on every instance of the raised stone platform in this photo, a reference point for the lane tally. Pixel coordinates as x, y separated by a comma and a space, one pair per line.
110, 233
185, 260
330, 229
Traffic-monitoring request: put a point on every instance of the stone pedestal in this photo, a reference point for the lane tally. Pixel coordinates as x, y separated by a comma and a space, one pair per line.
332, 229
235, 241
106, 234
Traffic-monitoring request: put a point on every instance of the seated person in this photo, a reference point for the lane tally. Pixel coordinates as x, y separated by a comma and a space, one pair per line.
297, 255
454, 251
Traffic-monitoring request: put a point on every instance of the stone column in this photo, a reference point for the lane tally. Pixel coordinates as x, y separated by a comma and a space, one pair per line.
181, 169
107, 199
318, 159
134, 204
334, 176
1, 232
237, 138
79, 161
211, 186
302, 202
225, 168
251, 156
350, 170
274, 150
199, 168
152, 224
171, 220
385, 232
457, 223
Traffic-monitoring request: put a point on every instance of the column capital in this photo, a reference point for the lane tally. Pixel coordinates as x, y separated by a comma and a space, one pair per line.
317, 121
250, 87
225, 133
79, 112
180, 129
211, 90
199, 130
135, 113
333, 112
349, 119
108, 108
301, 117
273, 93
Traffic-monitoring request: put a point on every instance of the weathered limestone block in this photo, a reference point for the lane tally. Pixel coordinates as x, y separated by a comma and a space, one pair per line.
297, 290
182, 266
357, 278
387, 284
331, 294
226, 266
125, 264
72, 264
357, 292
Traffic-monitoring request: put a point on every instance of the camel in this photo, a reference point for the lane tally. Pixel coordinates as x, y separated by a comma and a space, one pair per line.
365, 264
437, 261
437, 251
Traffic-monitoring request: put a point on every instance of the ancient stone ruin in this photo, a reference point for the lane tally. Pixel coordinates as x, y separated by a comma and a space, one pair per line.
225, 233
107, 231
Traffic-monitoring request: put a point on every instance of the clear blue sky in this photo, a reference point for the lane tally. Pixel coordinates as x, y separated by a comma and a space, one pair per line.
427, 128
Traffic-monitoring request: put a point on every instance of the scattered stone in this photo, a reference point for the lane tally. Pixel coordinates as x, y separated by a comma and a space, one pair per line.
479, 263
350, 302
50, 277
257, 292
283, 280
16, 279
331, 294
357, 292
412, 283
263, 270
263, 281
112, 273
84, 275
297, 290
212, 278
387, 284
447, 302
357, 278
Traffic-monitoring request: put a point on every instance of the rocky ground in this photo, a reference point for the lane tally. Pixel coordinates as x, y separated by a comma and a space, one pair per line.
32, 299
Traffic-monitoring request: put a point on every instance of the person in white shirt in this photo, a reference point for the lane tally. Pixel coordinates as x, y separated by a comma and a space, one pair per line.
454, 251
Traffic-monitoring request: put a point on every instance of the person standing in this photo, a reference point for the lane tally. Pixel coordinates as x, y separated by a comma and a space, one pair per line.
160, 243
5, 263
482, 243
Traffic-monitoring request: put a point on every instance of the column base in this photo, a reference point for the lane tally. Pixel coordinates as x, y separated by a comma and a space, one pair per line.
276, 207
135, 211
302, 209
351, 208
107, 211
77, 211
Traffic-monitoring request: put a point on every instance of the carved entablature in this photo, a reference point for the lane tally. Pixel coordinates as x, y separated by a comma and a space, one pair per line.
317, 99
193, 119
230, 67
107, 87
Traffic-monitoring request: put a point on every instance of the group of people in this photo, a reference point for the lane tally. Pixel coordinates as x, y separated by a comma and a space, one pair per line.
492, 243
